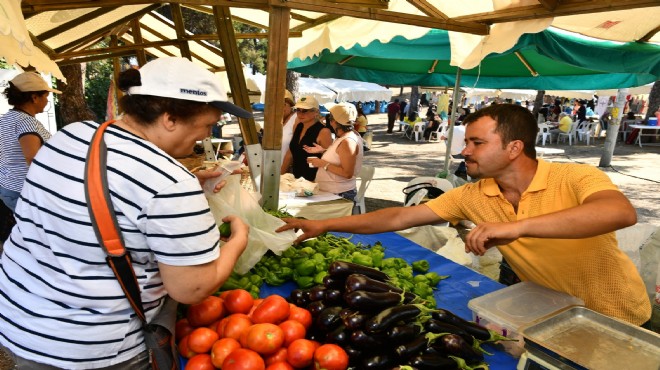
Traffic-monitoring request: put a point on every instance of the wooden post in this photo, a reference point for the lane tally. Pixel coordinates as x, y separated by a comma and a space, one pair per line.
234, 67
137, 38
278, 42
180, 28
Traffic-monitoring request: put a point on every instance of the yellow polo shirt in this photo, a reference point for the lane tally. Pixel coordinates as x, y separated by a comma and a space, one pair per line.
565, 123
593, 269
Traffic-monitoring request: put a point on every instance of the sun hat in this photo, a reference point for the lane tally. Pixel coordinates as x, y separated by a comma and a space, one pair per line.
307, 102
288, 97
31, 81
179, 78
344, 113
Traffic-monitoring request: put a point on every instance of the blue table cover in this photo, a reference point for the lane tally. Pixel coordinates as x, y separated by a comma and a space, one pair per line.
453, 294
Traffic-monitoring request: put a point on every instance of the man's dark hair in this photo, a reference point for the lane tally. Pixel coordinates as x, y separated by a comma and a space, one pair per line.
514, 122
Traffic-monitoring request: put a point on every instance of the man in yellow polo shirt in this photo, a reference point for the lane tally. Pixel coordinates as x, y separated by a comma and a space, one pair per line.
553, 222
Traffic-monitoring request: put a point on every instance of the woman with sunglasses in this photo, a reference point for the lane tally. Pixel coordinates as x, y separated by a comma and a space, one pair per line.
308, 132
341, 162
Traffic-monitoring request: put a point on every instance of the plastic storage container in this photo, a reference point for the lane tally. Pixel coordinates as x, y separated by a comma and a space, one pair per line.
507, 310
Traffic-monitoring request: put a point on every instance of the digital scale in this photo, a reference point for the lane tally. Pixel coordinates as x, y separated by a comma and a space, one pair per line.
540, 361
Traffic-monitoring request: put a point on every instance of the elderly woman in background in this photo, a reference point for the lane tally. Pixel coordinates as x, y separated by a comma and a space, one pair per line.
342, 161
21, 134
308, 132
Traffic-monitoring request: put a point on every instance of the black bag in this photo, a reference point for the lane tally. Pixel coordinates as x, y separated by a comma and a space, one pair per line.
7, 222
158, 334
431, 191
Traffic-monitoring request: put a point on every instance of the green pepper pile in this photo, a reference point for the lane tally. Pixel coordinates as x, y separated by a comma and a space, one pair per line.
307, 264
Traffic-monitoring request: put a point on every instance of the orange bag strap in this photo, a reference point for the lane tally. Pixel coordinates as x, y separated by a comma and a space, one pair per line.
104, 220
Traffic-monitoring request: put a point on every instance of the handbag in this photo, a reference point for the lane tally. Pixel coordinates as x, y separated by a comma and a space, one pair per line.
158, 334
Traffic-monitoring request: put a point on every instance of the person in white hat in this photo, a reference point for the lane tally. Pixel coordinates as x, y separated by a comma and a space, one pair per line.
67, 308
308, 132
341, 162
288, 121
21, 133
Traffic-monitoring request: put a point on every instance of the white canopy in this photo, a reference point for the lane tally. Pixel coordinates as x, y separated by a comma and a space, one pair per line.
348, 90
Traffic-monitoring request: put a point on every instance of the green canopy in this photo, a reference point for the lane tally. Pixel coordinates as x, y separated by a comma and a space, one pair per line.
548, 60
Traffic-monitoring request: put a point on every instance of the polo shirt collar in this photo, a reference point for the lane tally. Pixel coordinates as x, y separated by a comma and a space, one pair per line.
539, 182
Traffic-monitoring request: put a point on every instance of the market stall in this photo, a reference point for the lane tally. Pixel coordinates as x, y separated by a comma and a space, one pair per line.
453, 294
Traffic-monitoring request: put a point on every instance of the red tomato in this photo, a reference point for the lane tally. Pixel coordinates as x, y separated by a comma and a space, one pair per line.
278, 356
239, 301
300, 353
214, 325
236, 325
183, 348
282, 365
274, 309
256, 304
182, 329
330, 357
243, 359
292, 330
201, 361
301, 315
206, 312
265, 339
201, 340
224, 294
221, 349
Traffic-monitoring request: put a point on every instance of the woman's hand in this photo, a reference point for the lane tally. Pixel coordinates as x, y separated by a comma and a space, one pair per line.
204, 175
239, 229
316, 162
314, 149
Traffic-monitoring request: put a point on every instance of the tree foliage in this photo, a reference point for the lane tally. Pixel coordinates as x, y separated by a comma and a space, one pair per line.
97, 82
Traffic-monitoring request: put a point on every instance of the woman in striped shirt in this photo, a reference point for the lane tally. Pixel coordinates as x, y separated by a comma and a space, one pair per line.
21, 134
60, 304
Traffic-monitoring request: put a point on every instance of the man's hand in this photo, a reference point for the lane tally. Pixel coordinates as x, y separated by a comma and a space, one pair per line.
310, 228
239, 229
488, 235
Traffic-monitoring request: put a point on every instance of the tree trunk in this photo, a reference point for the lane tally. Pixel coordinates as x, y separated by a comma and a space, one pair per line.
654, 100
292, 82
73, 106
414, 100
538, 103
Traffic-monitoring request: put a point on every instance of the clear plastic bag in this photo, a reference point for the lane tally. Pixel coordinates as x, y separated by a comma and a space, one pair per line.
233, 199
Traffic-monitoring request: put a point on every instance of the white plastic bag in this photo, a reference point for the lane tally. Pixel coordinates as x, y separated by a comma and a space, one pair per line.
234, 200
225, 168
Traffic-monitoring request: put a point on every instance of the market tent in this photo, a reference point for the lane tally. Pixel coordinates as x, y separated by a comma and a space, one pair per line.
551, 59
355, 91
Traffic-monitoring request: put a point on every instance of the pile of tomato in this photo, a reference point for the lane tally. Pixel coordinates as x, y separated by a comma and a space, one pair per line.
234, 331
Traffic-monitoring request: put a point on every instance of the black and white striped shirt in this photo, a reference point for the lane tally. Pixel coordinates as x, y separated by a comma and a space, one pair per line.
13, 125
60, 303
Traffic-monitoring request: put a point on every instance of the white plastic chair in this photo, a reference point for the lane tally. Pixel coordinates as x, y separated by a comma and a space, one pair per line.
442, 184
570, 134
544, 133
365, 176
586, 131
434, 136
418, 131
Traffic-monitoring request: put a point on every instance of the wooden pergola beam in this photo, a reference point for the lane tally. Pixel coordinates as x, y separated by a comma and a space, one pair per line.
75, 23
567, 7
427, 8
180, 28
136, 32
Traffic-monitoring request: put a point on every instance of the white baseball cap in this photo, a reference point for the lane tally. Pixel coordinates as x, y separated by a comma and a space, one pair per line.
344, 113
31, 81
179, 78
307, 102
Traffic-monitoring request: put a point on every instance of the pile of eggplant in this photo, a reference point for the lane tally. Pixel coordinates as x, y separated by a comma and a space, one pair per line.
382, 327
